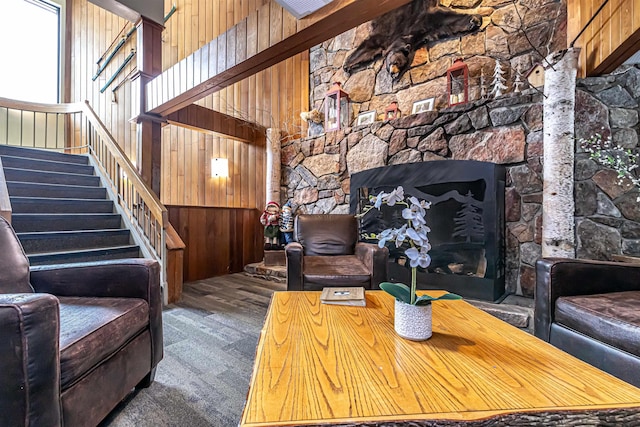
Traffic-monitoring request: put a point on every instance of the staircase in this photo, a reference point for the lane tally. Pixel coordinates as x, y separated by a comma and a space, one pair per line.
61, 213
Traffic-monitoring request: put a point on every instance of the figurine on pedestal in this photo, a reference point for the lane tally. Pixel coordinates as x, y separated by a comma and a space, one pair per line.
269, 219
286, 223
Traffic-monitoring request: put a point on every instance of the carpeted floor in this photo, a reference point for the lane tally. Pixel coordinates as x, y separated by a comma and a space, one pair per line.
210, 338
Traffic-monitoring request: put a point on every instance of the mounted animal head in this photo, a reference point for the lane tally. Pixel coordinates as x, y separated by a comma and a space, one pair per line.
398, 34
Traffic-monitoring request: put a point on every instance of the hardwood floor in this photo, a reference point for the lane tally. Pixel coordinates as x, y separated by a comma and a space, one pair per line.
210, 338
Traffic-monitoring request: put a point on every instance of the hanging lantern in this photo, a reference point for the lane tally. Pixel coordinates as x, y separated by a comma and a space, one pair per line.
458, 83
336, 109
392, 111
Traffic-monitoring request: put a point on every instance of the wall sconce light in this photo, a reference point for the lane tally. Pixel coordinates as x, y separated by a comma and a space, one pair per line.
219, 168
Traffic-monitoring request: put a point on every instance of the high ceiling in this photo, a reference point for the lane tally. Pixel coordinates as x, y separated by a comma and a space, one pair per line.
302, 8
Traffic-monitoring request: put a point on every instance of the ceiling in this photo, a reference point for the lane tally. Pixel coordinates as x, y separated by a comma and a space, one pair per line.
302, 8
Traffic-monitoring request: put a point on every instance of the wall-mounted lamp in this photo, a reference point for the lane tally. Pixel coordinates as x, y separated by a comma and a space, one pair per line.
219, 168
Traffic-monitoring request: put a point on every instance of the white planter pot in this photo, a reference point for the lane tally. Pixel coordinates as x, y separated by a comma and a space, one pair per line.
413, 322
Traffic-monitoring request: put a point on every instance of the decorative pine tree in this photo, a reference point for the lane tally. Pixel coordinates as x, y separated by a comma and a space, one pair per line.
498, 84
483, 85
517, 83
468, 221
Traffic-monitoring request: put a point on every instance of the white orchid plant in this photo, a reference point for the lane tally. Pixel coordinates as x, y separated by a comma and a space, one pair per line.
414, 233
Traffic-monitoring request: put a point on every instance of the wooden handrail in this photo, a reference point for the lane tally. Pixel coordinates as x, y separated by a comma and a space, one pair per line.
14, 104
149, 197
173, 239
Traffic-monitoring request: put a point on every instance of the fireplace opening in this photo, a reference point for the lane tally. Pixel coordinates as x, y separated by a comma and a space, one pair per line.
465, 218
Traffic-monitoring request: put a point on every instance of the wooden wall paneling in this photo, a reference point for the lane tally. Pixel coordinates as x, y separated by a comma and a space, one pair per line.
252, 48
218, 240
610, 39
215, 183
202, 170
626, 21
237, 182
636, 15
312, 30
615, 24
263, 43
260, 170
186, 155
275, 23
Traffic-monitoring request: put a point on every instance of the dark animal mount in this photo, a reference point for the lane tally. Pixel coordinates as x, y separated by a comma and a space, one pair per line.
397, 35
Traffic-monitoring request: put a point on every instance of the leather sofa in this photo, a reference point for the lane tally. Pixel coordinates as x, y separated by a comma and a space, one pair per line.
591, 309
326, 252
76, 338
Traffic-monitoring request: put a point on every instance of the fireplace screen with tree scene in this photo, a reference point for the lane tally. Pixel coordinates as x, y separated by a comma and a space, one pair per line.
466, 219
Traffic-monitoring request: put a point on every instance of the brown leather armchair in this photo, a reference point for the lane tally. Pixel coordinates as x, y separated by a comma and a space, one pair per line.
76, 339
326, 252
591, 309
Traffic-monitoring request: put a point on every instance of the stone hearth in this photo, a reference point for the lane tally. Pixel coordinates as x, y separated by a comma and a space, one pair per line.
515, 310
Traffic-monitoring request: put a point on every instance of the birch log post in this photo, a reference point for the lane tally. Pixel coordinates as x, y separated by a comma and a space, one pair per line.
558, 236
273, 165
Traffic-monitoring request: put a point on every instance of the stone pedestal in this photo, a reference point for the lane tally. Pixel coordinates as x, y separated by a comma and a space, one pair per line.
272, 258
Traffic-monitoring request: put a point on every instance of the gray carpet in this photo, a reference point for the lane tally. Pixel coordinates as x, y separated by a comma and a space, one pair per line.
210, 338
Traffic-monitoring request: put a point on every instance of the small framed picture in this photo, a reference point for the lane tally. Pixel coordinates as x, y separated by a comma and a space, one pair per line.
422, 106
366, 118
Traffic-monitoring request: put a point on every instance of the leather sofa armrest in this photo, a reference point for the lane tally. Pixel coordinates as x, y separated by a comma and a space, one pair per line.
30, 360
557, 277
295, 266
375, 259
124, 278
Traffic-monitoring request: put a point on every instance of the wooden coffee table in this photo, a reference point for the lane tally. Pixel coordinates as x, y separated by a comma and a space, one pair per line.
322, 364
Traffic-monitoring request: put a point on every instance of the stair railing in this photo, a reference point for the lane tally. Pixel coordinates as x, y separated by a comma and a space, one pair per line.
75, 128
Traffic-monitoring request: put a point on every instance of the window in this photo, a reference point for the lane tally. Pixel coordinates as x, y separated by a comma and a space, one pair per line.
30, 50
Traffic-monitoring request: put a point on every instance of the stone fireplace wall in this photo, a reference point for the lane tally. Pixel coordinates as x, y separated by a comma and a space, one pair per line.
508, 131
315, 171
501, 38
607, 211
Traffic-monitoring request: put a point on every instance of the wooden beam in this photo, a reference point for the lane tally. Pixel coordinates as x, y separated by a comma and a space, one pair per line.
204, 119
330, 21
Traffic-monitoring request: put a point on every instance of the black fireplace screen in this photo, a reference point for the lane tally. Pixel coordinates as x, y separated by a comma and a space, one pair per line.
466, 221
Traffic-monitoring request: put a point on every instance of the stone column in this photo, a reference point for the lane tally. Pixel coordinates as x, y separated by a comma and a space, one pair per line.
558, 205
273, 165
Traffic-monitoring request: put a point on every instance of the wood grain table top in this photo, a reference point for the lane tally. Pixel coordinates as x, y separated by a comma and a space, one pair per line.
320, 364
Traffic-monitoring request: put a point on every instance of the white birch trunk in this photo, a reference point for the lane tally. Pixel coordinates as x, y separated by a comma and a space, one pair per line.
558, 205
273, 166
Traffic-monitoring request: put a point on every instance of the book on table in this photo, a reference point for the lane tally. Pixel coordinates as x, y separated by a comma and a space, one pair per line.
343, 296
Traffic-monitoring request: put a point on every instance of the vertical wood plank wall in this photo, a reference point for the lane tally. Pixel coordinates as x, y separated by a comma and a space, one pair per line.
274, 97
610, 39
218, 240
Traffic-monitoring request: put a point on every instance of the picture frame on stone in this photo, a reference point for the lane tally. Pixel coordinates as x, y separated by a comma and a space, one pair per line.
366, 118
423, 105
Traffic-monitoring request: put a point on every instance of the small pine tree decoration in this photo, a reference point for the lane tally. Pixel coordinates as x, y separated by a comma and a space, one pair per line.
498, 84
517, 83
483, 85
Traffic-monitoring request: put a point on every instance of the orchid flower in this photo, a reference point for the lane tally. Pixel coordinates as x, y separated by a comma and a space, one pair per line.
418, 235
401, 235
395, 196
418, 257
415, 212
379, 199
415, 231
